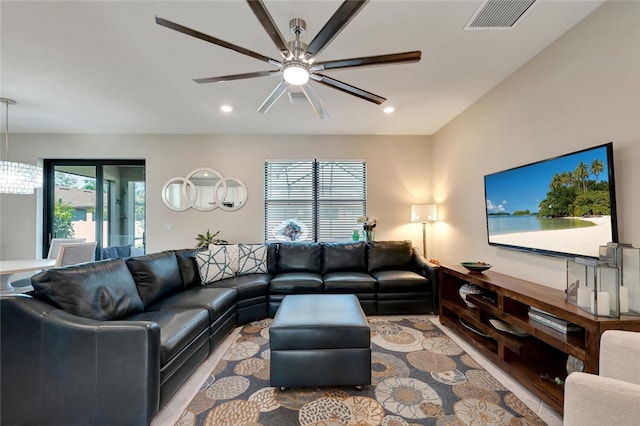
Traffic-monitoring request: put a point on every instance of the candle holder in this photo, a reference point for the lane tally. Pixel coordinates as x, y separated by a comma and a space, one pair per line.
627, 259
592, 285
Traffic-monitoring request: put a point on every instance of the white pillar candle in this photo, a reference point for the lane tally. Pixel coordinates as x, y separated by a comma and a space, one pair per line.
603, 303
624, 299
584, 297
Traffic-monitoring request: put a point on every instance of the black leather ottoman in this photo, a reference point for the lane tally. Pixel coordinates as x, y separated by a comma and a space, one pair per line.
320, 340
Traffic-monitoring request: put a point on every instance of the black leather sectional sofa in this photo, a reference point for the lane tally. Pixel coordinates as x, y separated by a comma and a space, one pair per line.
110, 342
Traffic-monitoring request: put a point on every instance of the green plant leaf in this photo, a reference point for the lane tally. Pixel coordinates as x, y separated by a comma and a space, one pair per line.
203, 240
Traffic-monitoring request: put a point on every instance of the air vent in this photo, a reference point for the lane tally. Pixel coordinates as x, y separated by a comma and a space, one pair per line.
295, 97
498, 14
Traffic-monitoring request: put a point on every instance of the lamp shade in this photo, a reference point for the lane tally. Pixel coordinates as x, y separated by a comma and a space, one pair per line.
424, 213
19, 178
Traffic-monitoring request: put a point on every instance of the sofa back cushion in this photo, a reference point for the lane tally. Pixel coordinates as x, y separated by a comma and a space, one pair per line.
344, 257
156, 275
272, 257
98, 290
116, 252
188, 267
388, 255
300, 257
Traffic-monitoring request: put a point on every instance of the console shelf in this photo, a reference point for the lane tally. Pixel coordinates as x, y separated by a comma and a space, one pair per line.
544, 351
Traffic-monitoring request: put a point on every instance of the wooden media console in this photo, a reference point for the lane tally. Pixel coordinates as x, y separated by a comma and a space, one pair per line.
544, 352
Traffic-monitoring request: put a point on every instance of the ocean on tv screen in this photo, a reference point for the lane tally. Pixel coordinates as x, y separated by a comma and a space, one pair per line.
564, 205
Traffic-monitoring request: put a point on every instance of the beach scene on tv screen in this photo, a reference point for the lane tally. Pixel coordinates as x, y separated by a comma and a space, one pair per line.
560, 205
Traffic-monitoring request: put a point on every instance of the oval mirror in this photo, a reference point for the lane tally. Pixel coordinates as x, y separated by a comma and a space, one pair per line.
206, 185
232, 195
175, 194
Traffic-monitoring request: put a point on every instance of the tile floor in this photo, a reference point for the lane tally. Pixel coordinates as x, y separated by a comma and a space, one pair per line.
174, 408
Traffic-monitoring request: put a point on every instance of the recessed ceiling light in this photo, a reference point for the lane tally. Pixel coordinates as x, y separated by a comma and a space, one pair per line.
226, 108
388, 110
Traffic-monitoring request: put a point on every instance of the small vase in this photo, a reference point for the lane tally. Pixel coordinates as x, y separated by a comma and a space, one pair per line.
369, 235
356, 235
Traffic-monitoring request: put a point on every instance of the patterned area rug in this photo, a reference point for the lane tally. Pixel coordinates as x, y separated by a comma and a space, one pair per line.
419, 377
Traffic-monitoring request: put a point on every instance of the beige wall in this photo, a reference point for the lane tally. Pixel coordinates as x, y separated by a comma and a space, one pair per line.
398, 175
582, 91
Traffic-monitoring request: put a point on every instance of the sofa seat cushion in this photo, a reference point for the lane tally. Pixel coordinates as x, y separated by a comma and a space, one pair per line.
156, 275
178, 329
349, 282
296, 282
247, 286
346, 257
300, 257
400, 281
101, 291
216, 301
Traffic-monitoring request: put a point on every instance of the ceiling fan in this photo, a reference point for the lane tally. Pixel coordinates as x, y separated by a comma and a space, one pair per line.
298, 64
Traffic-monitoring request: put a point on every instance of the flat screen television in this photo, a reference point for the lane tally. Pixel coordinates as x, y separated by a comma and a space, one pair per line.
563, 206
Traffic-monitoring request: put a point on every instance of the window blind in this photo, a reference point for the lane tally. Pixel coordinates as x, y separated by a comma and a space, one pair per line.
326, 196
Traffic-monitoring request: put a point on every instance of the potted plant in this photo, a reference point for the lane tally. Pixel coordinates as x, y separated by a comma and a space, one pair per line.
203, 240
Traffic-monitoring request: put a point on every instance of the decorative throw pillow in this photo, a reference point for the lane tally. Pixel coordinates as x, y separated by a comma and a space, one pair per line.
213, 265
252, 259
232, 254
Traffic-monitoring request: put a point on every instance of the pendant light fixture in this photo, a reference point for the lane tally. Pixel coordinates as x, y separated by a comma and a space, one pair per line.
16, 178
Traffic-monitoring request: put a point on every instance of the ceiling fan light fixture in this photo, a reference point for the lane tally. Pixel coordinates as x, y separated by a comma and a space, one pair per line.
296, 73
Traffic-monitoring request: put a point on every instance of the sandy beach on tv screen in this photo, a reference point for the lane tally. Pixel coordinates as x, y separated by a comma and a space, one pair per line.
575, 240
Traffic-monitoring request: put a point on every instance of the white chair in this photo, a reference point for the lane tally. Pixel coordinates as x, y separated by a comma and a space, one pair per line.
612, 397
71, 254
54, 246
54, 249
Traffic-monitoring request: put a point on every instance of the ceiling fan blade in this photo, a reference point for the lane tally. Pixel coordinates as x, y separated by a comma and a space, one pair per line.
273, 97
345, 13
347, 88
269, 25
393, 58
314, 100
231, 77
217, 41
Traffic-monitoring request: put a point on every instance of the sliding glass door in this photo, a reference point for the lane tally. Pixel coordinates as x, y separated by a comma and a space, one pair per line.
95, 200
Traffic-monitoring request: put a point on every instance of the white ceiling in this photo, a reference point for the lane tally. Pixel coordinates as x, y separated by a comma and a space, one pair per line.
107, 67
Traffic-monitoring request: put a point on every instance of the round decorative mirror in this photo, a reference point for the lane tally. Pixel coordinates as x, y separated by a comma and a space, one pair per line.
204, 189
207, 183
233, 195
174, 194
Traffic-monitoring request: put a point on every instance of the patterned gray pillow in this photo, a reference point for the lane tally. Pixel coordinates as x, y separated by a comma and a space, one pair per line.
214, 265
252, 259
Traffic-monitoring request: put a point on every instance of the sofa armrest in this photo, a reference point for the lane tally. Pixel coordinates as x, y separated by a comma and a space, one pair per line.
430, 271
619, 355
58, 368
594, 400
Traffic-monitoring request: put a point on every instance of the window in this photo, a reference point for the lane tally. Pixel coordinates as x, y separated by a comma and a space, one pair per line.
98, 200
326, 197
